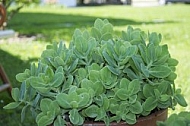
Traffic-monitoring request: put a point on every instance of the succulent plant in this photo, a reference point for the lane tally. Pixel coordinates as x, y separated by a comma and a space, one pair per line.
99, 77
180, 119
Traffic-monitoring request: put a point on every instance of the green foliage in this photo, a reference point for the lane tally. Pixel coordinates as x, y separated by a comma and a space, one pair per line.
17, 5
181, 119
99, 77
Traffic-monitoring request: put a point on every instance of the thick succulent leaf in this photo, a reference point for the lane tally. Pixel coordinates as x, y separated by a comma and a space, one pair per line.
91, 111
132, 50
23, 112
172, 77
67, 83
45, 104
107, 28
82, 73
106, 37
12, 105
124, 83
38, 84
114, 108
123, 94
136, 108
23, 91
73, 65
98, 88
134, 87
164, 97
157, 93
99, 24
108, 59
144, 70
59, 61
163, 87
105, 74
94, 75
130, 118
23, 76
151, 53
49, 72
164, 104
143, 51
45, 120
32, 93
160, 71
150, 104
36, 100
181, 100
148, 90
132, 99
77, 33
85, 99
172, 62
94, 66
106, 103
75, 117
101, 113
15, 94
57, 80
115, 71
63, 100
155, 38
59, 121
161, 60
137, 61
131, 74
54, 108
96, 33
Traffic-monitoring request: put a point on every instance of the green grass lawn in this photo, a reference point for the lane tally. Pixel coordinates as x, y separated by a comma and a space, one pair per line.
51, 24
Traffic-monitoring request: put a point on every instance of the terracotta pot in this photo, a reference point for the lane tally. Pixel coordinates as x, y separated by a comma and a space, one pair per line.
143, 121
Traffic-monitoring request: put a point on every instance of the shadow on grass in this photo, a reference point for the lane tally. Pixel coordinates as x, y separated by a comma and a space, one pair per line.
12, 65
60, 26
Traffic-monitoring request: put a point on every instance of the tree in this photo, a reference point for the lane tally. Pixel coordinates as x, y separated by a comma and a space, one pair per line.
18, 5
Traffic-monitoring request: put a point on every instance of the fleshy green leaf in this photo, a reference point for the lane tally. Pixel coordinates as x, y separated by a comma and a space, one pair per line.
160, 71
99, 24
136, 108
148, 90
45, 120
172, 62
63, 101
75, 117
23, 76
59, 121
150, 104
94, 75
91, 111
12, 105
45, 104
23, 112
180, 99
134, 86
15, 94
130, 118
123, 94
57, 80
96, 33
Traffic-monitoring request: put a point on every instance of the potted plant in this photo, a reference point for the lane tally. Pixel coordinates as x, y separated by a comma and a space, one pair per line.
100, 77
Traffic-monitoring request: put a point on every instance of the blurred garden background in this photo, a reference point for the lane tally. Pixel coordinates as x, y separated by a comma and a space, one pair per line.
38, 25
